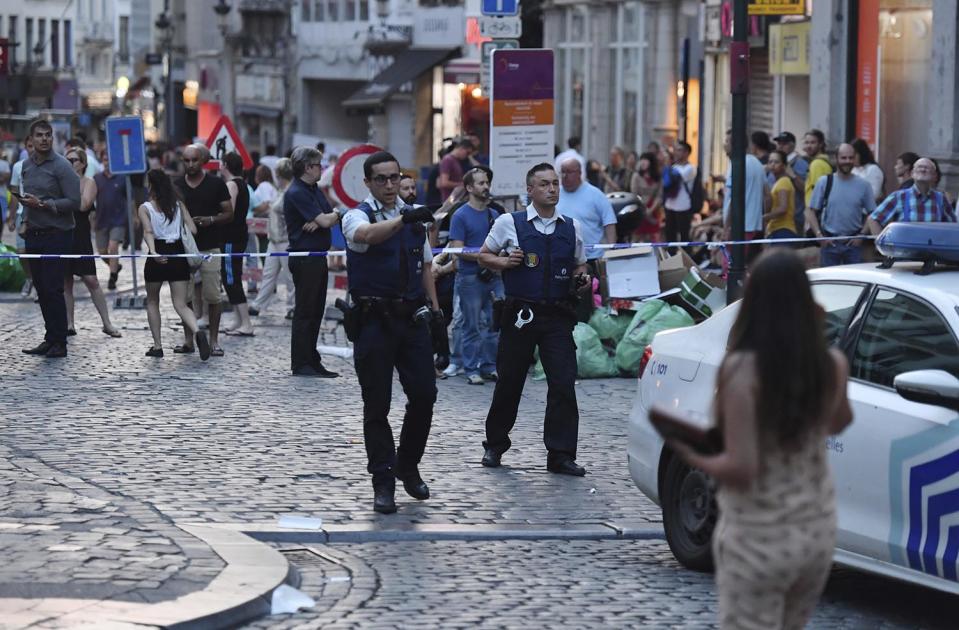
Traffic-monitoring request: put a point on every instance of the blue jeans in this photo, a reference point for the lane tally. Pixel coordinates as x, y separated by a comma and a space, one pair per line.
476, 305
456, 332
835, 253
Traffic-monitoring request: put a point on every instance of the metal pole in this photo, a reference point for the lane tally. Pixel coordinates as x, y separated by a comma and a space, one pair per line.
133, 246
739, 86
171, 136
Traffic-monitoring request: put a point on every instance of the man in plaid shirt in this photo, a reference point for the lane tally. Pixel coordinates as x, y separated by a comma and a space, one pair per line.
920, 203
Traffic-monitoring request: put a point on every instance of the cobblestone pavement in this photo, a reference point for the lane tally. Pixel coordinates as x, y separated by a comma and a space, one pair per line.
579, 584
102, 453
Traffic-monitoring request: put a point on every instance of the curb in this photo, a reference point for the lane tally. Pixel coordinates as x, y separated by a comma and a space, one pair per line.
240, 592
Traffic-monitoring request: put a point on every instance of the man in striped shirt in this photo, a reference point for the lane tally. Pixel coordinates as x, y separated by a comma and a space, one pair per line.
921, 203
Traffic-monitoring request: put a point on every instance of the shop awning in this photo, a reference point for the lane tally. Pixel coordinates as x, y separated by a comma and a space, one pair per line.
407, 65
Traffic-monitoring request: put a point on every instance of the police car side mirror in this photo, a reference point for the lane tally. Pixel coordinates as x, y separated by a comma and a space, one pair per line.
930, 387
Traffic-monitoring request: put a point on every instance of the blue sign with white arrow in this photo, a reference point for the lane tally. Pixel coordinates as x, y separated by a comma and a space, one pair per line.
126, 148
500, 7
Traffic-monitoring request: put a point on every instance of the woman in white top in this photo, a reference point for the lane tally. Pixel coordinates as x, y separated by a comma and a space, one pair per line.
867, 168
163, 218
275, 266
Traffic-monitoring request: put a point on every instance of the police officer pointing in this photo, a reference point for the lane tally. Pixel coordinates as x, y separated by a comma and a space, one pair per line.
543, 268
393, 300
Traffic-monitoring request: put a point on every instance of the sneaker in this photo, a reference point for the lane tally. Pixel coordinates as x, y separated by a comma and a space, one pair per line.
27, 288
475, 379
453, 370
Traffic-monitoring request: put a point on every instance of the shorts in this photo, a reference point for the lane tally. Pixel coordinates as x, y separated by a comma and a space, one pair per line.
210, 277
116, 234
21, 244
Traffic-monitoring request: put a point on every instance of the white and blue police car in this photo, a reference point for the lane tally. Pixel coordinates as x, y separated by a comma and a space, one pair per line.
896, 467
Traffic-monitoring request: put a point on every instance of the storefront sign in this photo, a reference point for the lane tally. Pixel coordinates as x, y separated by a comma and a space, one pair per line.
777, 7
789, 48
438, 27
867, 88
521, 115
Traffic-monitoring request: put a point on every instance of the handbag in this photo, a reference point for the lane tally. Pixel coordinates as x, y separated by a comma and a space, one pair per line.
194, 258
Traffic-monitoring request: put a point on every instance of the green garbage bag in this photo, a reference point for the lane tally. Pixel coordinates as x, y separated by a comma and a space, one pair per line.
650, 319
609, 326
11, 273
592, 360
539, 374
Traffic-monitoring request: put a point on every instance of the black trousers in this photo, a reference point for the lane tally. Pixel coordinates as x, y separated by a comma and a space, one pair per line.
552, 332
385, 343
231, 273
310, 277
47, 276
677, 226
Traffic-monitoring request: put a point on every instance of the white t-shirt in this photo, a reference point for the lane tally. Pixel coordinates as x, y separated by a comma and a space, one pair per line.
682, 201
354, 219
872, 174
265, 193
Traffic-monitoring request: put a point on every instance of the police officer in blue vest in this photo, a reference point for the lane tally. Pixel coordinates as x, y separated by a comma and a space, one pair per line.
540, 254
394, 301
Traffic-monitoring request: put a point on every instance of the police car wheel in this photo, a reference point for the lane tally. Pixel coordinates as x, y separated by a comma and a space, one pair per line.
689, 514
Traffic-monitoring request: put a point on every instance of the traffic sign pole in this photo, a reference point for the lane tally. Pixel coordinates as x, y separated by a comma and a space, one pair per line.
126, 151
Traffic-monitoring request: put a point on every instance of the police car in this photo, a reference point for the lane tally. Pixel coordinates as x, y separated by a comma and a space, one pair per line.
896, 467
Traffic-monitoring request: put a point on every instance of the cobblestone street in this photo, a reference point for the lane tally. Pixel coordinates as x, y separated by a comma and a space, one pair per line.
105, 454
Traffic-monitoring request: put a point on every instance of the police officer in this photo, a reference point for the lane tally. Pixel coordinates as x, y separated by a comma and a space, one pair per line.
540, 254
393, 300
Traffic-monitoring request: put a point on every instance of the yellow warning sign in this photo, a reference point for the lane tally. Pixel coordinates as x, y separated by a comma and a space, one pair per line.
777, 7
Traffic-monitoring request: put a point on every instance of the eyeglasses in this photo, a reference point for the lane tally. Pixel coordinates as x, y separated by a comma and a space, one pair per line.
314, 164
393, 178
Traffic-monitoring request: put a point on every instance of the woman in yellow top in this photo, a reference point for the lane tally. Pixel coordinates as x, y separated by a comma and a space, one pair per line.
780, 220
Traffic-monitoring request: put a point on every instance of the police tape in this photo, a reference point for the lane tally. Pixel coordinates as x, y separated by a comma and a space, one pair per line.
445, 250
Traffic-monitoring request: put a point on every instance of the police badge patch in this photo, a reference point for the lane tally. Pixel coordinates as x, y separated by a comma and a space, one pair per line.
532, 260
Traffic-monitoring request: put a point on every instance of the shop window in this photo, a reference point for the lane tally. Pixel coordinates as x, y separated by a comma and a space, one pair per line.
572, 76
627, 50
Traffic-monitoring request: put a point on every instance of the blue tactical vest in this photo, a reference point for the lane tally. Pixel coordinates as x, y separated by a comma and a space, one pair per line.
548, 262
391, 269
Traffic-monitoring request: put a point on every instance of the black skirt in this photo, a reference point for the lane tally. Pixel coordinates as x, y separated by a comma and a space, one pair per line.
175, 269
82, 244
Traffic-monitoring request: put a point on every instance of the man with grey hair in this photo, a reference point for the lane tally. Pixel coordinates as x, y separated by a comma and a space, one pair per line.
919, 203
309, 217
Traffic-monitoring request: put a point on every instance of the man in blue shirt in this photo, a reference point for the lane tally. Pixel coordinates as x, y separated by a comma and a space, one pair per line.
309, 218
475, 287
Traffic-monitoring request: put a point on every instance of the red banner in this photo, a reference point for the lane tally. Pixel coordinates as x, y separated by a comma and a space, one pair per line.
867, 72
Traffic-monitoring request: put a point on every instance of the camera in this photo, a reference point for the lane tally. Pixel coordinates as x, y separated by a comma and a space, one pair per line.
422, 315
484, 274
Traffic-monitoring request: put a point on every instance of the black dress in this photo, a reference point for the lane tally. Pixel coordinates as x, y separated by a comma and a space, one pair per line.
82, 244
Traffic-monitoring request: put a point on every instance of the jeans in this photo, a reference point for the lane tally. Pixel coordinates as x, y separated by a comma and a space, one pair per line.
456, 331
476, 306
839, 253
310, 275
48, 279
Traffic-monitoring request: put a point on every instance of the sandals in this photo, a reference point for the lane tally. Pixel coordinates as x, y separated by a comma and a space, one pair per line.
155, 352
183, 349
204, 344
216, 352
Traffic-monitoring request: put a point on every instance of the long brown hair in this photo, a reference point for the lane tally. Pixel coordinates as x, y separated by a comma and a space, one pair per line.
163, 192
781, 324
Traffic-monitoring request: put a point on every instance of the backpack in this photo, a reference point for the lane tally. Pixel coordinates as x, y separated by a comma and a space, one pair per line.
672, 182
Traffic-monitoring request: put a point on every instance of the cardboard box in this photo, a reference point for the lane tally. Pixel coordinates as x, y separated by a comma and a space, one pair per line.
630, 273
704, 292
672, 267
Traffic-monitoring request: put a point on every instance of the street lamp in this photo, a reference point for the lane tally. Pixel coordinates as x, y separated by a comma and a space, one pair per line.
225, 82
165, 26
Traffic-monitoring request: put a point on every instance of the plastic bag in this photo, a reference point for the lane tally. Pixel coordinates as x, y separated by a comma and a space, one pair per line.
11, 273
592, 360
609, 326
653, 316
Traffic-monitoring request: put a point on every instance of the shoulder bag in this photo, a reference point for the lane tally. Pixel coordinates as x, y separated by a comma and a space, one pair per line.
195, 259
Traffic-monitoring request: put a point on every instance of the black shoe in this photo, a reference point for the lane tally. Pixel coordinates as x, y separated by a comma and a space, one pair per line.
56, 351
566, 467
322, 372
155, 352
203, 344
383, 500
289, 314
415, 486
112, 283
71, 332
492, 377
184, 349
308, 370
491, 458
41, 349
254, 312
